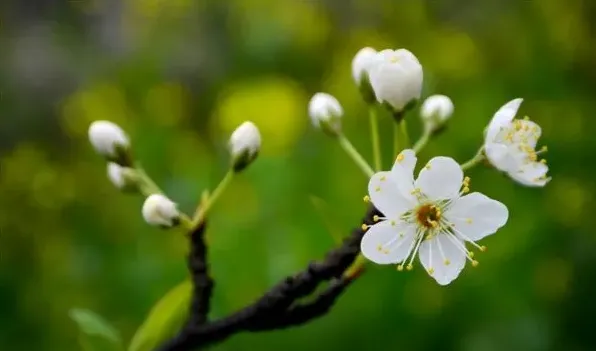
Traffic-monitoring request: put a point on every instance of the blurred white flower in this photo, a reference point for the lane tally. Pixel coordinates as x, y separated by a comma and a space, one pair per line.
361, 65
510, 146
108, 139
244, 145
396, 78
428, 217
123, 178
158, 210
325, 113
436, 110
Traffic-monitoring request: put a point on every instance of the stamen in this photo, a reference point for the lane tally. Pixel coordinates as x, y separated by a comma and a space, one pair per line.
377, 189
459, 245
430, 258
445, 260
383, 178
466, 238
400, 267
366, 199
399, 158
364, 227
375, 218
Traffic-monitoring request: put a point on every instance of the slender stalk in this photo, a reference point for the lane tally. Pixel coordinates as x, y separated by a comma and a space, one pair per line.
374, 133
405, 137
479, 157
356, 268
353, 153
396, 137
223, 184
424, 139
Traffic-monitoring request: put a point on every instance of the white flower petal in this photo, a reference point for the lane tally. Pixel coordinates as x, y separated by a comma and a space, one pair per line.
531, 174
476, 216
388, 242
503, 117
402, 173
442, 258
441, 178
500, 157
386, 196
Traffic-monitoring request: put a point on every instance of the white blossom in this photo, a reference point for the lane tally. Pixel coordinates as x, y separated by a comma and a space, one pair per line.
123, 178
510, 146
244, 145
158, 210
325, 112
436, 110
107, 138
396, 78
361, 63
430, 217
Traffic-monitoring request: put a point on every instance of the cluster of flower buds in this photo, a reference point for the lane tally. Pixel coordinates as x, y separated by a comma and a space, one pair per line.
432, 216
111, 142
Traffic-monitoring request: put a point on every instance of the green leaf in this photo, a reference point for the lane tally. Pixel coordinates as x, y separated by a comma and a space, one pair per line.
96, 333
165, 319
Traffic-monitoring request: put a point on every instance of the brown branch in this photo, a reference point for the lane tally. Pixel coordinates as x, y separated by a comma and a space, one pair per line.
277, 308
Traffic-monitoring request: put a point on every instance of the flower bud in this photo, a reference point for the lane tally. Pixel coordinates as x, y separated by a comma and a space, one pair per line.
160, 211
436, 110
396, 78
325, 113
110, 141
123, 178
361, 64
244, 145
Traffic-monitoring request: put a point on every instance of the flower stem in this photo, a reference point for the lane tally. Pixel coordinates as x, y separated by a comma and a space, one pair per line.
424, 139
374, 133
405, 137
223, 184
479, 157
396, 138
353, 153
356, 268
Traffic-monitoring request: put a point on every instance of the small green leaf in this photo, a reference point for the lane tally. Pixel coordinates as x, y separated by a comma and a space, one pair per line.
165, 319
96, 333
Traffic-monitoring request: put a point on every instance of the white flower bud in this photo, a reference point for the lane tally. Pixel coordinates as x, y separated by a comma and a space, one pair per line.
361, 64
436, 110
123, 178
160, 211
396, 78
325, 112
110, 141
244, 145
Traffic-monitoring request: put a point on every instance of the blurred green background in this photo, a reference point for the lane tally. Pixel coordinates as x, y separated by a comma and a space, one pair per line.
179, 75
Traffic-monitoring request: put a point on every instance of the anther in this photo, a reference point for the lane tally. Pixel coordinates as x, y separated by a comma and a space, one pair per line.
465, 189
399, 158
469, 220
447, 262
377, 189
392, 223
431, 271
376, 218
383, 178
526, 118
409, 267
366, 199
543, 161
483, 248
364, 227
470, 254
400, 267
474, 263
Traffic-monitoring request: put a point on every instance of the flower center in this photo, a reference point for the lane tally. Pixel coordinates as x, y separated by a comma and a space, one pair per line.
428, 215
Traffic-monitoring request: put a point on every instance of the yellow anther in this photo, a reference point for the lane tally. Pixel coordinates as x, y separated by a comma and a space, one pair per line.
383, 178
544, 149
380, 248
465, 189
431, 271
447, 262
392, 223
409, 267
400, 267
526, 118
427, 166
376, 218
393, 59
483, 248
470, 254
399, 158
543, 161
366, 199
469, 220
364, 227
474, 263
377, 189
